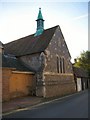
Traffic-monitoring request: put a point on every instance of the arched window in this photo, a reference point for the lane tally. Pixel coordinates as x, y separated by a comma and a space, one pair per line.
58, 64
63, 65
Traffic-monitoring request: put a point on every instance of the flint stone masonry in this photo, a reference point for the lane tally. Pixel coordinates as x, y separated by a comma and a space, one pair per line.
58, 85
46, 61
52, 61
34, 61
46, 53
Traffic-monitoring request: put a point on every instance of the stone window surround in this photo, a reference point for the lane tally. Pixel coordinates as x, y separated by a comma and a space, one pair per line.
60, 64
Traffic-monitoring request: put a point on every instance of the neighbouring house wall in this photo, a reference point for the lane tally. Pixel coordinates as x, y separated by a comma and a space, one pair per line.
0, 50
85, 84
59, 85
79, 84
16, 84
82, 83
57, 48
88, 82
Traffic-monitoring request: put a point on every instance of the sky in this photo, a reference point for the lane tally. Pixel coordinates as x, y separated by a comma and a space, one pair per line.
17, 20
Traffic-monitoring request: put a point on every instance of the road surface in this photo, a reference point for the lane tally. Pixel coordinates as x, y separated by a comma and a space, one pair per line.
75, 106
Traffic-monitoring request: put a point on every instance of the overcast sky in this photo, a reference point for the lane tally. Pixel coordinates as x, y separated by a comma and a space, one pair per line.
17, 19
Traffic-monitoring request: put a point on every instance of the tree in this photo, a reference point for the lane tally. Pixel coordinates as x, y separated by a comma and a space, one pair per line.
83, 61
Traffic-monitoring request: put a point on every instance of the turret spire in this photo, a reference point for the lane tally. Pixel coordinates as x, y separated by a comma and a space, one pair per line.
39, 15
40, 23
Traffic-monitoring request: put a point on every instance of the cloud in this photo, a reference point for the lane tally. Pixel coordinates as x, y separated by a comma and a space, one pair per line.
80, 17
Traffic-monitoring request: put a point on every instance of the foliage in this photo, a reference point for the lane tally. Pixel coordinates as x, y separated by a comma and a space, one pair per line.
83, 61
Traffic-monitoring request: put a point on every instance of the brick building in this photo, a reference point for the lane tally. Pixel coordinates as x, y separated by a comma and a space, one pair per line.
38, 64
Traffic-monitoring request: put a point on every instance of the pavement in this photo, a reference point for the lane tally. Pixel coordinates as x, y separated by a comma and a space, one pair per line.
19, 103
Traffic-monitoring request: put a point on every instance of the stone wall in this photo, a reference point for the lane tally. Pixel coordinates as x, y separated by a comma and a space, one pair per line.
36, 62
59, 85
55, 59
57, 49
32, 61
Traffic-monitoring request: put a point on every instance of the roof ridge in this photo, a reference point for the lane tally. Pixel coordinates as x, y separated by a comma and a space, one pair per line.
52, 27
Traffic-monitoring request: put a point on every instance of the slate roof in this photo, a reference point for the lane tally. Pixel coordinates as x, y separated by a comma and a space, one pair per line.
30, 44
80, 72
13, 62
